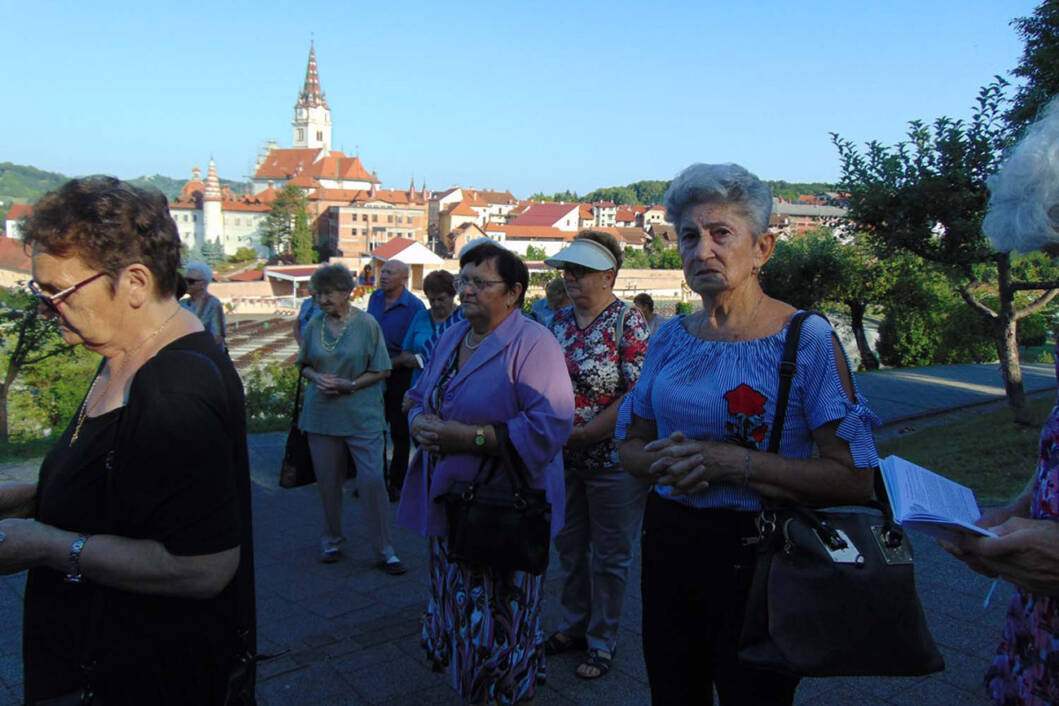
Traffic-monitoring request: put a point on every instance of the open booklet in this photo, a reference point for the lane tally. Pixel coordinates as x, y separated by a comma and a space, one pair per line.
922, 500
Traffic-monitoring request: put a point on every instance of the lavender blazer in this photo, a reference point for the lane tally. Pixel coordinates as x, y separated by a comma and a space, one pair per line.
517, 376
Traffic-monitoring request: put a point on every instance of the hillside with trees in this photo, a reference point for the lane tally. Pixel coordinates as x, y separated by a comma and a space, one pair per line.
650, 191
21, 183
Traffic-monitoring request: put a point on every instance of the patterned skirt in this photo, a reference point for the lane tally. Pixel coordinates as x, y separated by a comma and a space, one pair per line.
484, 628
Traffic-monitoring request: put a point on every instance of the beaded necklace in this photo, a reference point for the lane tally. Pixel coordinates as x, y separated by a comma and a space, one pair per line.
330, 347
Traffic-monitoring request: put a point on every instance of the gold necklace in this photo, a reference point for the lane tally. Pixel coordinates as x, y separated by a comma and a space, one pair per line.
85, 409
330, 347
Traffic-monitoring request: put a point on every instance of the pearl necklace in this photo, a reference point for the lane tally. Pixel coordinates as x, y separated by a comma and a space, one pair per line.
85, 408
467, 343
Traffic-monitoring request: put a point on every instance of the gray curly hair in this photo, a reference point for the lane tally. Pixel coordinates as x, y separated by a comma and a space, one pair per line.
1023, 210
720, 183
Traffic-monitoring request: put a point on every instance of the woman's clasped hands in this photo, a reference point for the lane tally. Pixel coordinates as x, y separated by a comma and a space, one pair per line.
688, 465
436, 435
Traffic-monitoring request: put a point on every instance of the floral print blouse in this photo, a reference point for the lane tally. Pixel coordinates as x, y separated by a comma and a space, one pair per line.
602, 369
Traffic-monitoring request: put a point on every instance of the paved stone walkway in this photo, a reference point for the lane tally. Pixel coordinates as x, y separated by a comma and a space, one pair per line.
349, 633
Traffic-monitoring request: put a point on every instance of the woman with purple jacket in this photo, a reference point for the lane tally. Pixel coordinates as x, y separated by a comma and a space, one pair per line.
498, 367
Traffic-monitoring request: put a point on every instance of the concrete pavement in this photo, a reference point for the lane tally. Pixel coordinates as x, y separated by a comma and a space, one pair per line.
349, 633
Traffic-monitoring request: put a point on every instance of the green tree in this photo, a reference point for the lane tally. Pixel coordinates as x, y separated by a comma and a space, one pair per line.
212, 252
27, 339
277, 233
243, 254
1039, 66
302, 237
927, 196
534, 253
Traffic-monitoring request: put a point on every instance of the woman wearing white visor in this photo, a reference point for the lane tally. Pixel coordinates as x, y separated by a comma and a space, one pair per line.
604, 340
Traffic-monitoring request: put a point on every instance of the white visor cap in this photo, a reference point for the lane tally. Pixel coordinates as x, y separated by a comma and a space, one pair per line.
584, 252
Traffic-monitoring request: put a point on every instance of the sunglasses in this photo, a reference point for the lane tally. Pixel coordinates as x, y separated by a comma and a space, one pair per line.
51, 301
193, 280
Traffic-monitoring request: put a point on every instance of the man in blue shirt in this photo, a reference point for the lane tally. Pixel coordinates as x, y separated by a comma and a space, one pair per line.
393, 306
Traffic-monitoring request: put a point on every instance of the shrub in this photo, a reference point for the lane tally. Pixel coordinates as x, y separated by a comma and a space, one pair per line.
684, 308
269, 395
1032, 330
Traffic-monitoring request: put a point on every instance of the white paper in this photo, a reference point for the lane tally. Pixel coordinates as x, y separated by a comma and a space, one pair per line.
926, 501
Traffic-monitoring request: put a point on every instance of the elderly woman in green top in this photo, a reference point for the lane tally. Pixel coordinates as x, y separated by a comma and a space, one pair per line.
343, 355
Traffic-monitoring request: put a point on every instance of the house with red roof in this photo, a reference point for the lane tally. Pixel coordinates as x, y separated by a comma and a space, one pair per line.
14, 263
13, 221
655, 215
518, 238
562, 216
206, 211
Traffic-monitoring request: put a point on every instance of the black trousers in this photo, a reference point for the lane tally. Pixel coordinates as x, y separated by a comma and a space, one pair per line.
696, 575
396, 386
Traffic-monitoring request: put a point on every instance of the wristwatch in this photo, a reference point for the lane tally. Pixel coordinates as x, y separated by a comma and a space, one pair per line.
479, 436
73, 564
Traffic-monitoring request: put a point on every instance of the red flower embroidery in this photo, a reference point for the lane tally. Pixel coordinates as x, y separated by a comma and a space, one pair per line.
745, 401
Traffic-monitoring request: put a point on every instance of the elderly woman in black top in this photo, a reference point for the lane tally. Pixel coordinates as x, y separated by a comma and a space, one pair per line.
137, 533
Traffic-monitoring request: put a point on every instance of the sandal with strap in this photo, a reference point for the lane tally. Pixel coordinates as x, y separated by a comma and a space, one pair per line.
596, 661
560, 642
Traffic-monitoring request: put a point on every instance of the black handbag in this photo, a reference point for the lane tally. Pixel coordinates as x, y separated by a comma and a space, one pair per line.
297, 467
497, 520
833, 592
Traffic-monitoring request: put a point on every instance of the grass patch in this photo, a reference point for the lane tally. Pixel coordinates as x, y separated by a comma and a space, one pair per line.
984, 451
262, 425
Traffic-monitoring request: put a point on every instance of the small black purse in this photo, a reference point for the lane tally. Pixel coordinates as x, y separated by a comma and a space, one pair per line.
296, 469
497, 520
834, 589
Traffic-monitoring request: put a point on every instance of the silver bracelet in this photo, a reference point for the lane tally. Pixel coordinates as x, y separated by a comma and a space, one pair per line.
746, 469
73, 565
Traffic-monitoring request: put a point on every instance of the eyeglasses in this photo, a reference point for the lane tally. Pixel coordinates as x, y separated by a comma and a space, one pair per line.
51, 301
476, 284
577, 271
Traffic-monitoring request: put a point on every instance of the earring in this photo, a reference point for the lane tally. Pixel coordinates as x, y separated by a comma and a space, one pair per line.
754, 270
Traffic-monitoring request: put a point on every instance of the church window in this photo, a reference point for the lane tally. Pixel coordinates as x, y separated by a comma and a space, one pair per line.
374, 218
319, 135
301, 134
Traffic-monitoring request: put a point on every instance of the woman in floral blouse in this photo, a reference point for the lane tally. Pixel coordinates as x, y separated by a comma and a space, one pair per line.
604, 340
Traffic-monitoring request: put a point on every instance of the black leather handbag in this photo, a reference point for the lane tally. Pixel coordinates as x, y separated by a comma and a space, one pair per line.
297, 467
834, 589
497, 520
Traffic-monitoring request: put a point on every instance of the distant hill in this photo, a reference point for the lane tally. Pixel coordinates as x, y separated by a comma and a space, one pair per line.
650, 192
21, 183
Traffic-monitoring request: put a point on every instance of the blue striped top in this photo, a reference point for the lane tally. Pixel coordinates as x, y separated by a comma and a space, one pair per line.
718, 390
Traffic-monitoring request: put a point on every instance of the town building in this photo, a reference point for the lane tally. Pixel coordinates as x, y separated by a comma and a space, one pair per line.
205, 211
13, 220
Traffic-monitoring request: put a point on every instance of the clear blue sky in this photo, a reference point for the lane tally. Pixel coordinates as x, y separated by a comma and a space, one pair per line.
528, 96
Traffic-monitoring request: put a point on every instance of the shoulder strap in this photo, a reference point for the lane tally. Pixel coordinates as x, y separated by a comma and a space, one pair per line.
619, 326
788, 366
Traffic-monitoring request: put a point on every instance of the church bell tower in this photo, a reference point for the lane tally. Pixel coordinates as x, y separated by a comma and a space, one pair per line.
312, 117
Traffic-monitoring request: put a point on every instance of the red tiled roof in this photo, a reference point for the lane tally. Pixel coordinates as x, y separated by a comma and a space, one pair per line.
294, 270
392, 247
287, 163
657, 207
305, 181
462, 209
544, 214
247, 276
13, 255
523, 232
605, 204
241, 205
19, 210
585, 212
629, 236
625, 214
183, 206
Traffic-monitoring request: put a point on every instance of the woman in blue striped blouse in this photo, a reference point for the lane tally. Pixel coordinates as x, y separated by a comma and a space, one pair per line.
697, 425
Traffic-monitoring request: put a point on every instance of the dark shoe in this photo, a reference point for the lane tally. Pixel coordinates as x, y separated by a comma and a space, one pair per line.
596, 662
560, 642
393, 568
329, 555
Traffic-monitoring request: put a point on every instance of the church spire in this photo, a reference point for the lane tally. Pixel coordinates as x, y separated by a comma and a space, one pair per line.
312, 117
312, 96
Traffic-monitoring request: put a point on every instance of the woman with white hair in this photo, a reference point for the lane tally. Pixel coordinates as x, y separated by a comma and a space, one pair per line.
697, 426
201, 303
1024, 216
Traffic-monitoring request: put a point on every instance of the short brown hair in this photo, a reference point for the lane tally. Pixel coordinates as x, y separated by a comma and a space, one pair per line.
644, 299
331, 278
606, 240
439, 282
111, 225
